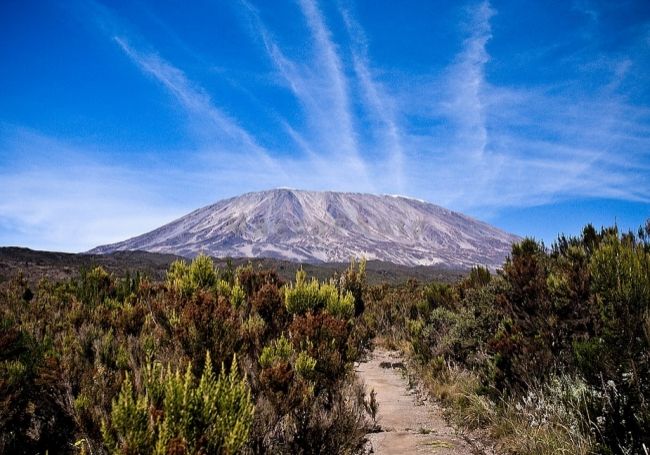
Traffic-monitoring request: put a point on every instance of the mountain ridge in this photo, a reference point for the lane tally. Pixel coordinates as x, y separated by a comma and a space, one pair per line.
327, 226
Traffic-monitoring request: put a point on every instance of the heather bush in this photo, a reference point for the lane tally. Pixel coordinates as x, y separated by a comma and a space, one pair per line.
353, 280
26, 368
268, 304
186, 278
175, 413
280, 350
515, 349
81, 363
303, 296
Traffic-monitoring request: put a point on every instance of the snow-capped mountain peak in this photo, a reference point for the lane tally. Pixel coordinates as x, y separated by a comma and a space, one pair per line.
314, 226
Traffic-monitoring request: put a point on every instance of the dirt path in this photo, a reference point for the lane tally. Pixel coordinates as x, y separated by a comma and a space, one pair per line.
409, 425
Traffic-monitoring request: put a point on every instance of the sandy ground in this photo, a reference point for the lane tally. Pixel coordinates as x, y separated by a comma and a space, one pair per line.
409, 424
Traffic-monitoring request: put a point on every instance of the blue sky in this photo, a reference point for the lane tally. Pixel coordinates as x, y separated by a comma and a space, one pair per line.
118, 117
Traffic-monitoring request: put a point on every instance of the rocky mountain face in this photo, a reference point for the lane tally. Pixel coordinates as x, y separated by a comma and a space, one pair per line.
313, 227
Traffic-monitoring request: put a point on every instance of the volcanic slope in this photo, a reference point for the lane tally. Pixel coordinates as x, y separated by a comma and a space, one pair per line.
314, 227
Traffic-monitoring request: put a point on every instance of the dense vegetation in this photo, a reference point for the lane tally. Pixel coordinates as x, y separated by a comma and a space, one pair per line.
552, 354
549, 355
208, 361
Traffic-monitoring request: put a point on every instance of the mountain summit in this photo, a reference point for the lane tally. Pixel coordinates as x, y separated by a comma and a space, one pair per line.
311, 226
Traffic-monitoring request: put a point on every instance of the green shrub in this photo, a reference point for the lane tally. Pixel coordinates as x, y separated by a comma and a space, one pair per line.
280, 350
237, 296
354, 281
303, 297
94, 286
621, 282
440, 295
305, 365
253, 327
178, 277
340, 306
186, 279
173, 413
202, 272
620, 366
313, 296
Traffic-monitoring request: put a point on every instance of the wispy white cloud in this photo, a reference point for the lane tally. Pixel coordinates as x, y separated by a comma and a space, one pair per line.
454, 136
330, 62
529, 145
457, 167
197, 102
321, 87
377, 100
475, 145
466, 83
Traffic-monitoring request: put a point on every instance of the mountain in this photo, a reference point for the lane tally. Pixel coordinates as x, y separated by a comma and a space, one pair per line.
314, 227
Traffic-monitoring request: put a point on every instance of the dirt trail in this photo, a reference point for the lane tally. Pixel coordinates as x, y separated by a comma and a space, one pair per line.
409, 425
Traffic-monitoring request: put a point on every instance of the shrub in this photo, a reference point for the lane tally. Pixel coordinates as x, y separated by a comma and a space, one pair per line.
340, 306
178, 277
303, 297
208, 325
354, 281
186, 279
267, 302
324, 338
440, 295
174, 414
620, 364
237, 296
33, 416
202, 274
305, 365
65, 352
94, 286
280, 350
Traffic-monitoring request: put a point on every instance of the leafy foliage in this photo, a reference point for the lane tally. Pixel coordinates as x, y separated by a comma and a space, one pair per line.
99, 364
575, 317
175, 414
313, 296
187, 278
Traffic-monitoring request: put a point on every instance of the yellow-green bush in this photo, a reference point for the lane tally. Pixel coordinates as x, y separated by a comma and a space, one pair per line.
340, 306
202, 272
199, 274
174, 413
304, 296
237, 296
178, 277
305, 365
280, 350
